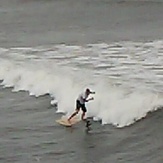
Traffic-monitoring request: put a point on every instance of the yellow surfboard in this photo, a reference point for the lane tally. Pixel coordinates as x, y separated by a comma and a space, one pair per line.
63, 121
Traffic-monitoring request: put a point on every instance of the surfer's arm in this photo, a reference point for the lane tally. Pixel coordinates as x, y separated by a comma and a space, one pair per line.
91, 97
86, 100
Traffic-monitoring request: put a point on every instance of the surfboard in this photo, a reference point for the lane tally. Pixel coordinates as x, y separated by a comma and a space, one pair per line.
63, 121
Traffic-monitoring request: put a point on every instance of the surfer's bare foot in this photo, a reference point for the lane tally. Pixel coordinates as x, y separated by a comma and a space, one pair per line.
84, 119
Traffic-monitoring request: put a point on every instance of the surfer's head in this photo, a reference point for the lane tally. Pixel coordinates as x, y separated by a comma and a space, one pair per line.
88, 91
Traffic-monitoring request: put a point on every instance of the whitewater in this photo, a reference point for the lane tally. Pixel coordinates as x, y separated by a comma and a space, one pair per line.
126, 76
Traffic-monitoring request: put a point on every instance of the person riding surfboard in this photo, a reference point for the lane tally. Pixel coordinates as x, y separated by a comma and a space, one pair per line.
80, 104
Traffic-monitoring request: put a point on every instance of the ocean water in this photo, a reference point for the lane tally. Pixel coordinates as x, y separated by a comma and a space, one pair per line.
52, 50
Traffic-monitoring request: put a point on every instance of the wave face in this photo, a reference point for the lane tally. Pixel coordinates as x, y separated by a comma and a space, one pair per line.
127, 77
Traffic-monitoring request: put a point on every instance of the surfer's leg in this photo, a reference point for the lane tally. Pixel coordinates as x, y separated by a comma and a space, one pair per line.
74, 114
76, 111
82, 116
84, 111
87, 122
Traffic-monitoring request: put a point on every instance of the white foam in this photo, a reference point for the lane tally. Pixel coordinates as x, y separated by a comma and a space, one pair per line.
113, 105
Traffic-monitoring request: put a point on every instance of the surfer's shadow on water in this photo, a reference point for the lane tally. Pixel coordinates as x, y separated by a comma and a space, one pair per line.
74, 129
83, 126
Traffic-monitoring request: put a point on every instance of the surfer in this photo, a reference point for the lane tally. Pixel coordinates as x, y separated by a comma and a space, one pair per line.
80, 103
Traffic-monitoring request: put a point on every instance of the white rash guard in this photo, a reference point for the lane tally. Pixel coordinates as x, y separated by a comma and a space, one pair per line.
82, 97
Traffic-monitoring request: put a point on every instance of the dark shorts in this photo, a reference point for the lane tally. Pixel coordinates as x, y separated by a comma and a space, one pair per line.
82, 106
